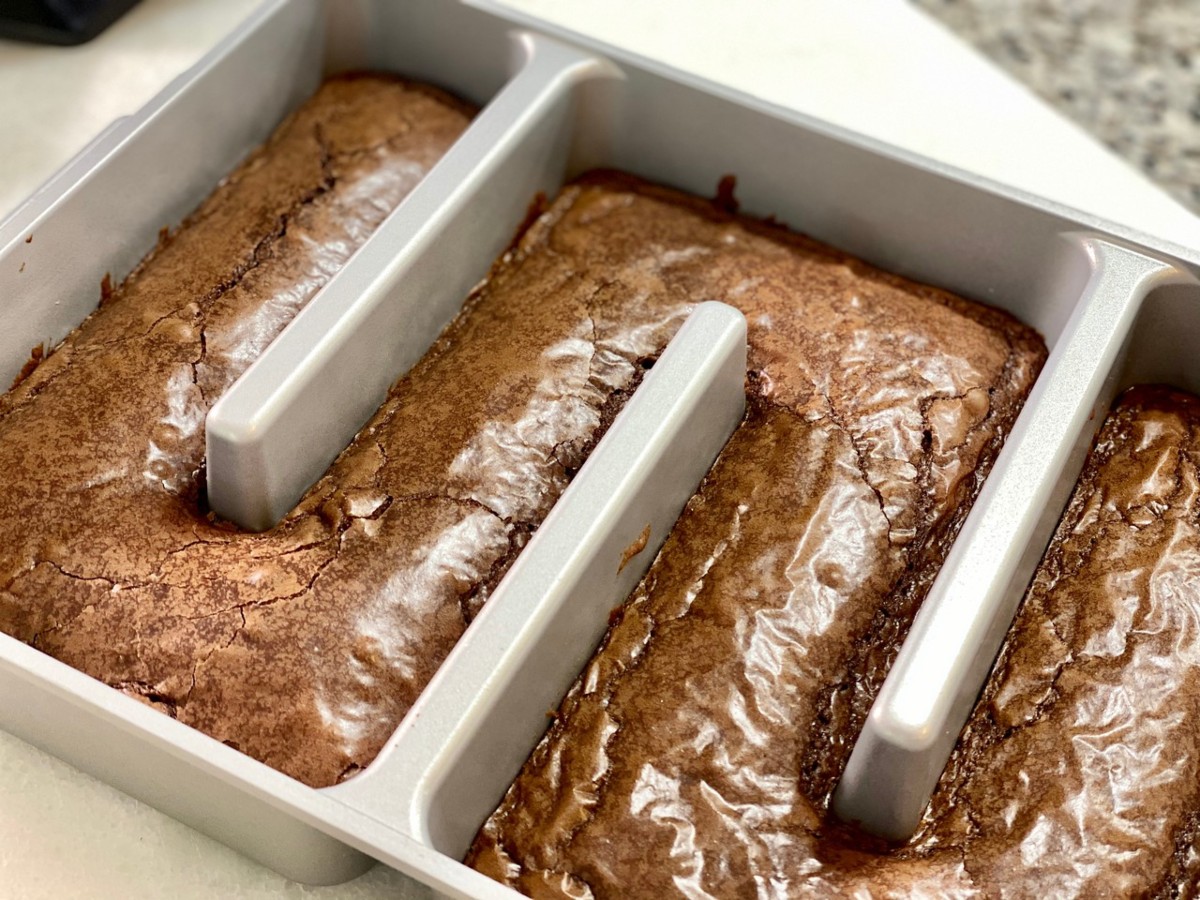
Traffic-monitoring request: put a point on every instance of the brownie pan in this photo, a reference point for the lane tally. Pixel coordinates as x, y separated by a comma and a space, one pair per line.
1115, 307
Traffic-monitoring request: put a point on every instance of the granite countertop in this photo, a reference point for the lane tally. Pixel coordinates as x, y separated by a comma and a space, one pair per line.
1128, 71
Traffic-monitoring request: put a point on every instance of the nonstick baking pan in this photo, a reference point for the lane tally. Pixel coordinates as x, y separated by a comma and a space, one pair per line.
1114, 306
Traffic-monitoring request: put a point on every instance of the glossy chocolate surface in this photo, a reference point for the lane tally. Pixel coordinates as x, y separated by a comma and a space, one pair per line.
698, 749
305, 646
1079, 770
108, 560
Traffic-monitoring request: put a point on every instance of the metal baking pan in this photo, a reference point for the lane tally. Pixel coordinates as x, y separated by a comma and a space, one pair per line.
1113, 305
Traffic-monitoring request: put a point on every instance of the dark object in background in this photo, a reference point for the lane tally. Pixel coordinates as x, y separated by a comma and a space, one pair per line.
66, 22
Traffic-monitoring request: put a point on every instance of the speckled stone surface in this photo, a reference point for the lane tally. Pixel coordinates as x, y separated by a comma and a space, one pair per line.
1126, 70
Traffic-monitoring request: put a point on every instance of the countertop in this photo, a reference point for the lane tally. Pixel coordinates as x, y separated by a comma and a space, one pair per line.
877, 66
1128, 71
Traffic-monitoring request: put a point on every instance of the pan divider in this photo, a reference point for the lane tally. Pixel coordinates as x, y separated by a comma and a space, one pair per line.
452, 758
948, 654
560, 104
277, 429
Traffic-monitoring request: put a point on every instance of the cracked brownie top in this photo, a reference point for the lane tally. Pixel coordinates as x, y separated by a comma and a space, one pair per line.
107, 557
697, 751
1080, 767
878, 403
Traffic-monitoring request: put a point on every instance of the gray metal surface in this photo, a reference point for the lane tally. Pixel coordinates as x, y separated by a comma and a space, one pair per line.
280, 426
449, 763
570, 104
945, 660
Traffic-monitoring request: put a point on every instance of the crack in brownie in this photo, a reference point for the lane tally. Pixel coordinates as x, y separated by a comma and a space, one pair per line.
108, 559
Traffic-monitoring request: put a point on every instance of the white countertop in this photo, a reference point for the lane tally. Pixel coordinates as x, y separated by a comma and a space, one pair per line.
876, 66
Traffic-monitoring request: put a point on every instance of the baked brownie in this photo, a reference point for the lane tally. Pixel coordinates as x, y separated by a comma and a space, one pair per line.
107, 559
1076, 776
306, 645
1080, 767
699, 747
